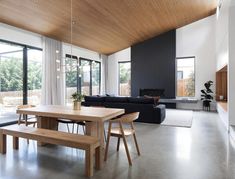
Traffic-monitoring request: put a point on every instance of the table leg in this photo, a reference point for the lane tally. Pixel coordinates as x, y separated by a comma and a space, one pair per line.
101, 137
46, 123
91, 128
97, 129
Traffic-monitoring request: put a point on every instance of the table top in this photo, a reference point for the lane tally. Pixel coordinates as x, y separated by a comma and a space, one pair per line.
66, 112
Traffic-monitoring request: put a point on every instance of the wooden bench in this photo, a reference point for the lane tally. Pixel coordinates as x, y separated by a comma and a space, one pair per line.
90, 144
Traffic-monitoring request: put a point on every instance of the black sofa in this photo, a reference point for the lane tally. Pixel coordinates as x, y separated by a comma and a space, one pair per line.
149, 112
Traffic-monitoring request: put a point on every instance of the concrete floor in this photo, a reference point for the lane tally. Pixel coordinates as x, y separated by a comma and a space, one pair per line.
204, 151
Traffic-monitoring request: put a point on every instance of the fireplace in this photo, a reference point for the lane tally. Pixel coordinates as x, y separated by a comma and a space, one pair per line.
152, 92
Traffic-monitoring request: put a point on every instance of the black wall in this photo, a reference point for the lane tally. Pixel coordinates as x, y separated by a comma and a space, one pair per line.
153, 64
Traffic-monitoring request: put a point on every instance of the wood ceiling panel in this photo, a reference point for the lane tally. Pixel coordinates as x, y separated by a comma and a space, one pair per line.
105, 26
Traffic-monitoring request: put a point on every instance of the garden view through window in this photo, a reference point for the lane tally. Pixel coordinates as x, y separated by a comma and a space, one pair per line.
124, 78
82, 75
20, 78
185, 77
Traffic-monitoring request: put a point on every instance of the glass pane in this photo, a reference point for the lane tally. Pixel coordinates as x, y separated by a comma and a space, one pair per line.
71, 78
85, 77
95, 78
124, 79
34, 76
11, 81
185, 77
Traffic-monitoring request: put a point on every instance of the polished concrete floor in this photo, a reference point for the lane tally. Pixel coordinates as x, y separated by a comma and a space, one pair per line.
204, 151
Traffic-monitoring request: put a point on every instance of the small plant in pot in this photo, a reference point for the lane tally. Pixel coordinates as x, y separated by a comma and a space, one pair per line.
206, 95
77, 99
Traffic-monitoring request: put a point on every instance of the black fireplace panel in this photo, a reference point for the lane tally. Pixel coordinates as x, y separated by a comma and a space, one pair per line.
152, 92
153, 64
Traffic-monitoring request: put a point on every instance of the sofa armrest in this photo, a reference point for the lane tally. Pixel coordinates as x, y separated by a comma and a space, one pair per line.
160, 112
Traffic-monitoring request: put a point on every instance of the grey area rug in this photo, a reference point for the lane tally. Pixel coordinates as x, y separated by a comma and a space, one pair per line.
178, 118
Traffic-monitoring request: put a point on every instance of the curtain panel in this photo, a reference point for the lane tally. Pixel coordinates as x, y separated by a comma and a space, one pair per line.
53, 79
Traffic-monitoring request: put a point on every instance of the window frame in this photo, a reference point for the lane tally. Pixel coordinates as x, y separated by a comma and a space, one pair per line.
119, 62
176, 75
25, 48
79, 82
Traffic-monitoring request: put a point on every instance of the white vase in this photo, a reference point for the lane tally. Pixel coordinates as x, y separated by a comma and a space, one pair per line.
76, 105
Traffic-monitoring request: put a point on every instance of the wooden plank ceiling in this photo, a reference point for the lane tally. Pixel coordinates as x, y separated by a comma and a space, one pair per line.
105, 26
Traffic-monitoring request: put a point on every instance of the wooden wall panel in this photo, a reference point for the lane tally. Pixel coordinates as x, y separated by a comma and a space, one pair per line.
221, 84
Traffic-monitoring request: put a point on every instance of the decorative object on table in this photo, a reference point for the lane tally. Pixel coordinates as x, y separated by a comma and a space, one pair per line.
221, 97
77, 99
206, 95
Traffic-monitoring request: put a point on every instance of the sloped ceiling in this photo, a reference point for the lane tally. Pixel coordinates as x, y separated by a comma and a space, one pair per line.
105, 26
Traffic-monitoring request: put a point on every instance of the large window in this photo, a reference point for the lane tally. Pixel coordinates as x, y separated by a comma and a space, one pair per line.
82, 75
124, 78
185, 77
20, 78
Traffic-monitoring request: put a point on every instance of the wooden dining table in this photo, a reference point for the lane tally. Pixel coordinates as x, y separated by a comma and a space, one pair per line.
95, 118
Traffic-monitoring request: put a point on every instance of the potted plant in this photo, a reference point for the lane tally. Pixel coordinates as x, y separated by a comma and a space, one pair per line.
77, 99
206, 95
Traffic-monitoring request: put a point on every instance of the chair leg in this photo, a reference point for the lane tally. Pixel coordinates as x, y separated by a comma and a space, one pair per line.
68, 128
125, 144
136, 144
73, 128
84, 131
118, 143
107, 143
26, 124
105, 137
3, 142
19, 119
77, 128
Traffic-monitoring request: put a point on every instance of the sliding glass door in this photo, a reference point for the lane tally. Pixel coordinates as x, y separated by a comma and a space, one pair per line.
82, 75
20, 78
11, 81
85, 77
90, 72
34, 76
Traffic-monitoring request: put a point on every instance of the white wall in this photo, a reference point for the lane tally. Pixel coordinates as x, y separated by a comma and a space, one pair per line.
112, 74
231, 65
21, 36
222, 52
222, 47
198, 39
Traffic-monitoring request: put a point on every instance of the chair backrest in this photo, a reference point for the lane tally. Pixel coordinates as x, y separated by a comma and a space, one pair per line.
127, 118
25, 106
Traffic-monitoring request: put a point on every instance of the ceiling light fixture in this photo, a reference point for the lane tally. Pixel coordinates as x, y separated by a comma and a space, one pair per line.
219, 4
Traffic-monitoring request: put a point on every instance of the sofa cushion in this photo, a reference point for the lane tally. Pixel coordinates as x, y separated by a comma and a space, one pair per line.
94, 99
141, 100
155, 98
116, 99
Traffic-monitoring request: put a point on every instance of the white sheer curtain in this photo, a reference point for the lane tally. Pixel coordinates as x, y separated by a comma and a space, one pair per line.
53, 80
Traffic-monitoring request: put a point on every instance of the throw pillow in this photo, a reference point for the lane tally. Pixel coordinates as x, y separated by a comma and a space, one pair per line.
155, 98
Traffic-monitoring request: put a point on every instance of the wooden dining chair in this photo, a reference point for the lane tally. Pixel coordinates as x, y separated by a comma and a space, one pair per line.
122, 132
25, 119
68, 121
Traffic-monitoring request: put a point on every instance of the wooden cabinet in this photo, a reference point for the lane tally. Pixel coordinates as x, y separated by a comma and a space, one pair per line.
221, 84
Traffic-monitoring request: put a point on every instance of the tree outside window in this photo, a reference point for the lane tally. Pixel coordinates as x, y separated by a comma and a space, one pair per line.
124, 78
186, 77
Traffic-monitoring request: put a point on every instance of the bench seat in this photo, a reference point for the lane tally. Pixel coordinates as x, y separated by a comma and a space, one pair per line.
90, 144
